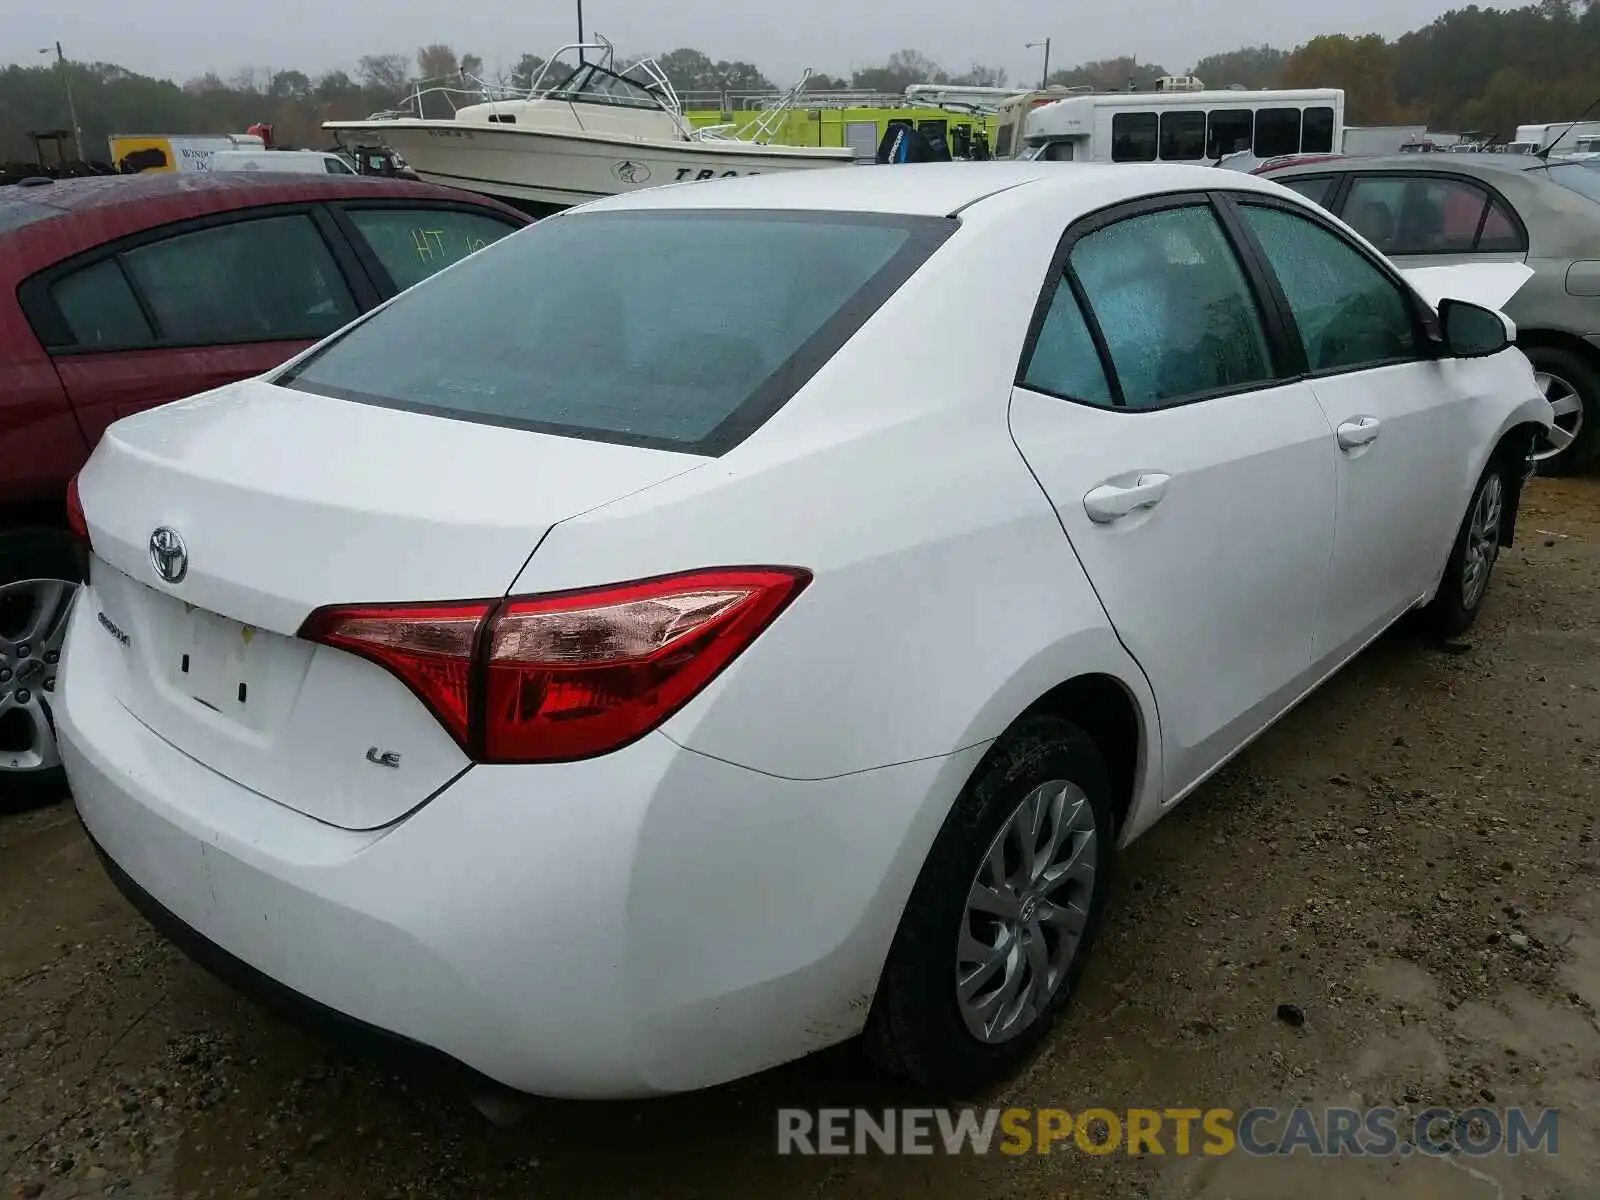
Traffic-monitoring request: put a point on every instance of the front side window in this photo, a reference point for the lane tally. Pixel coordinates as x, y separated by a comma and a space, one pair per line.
264, 279
337, 166
1134, 137
1172, 302
1277, 132
414, 243
1348, 312
1183, 136
681, 330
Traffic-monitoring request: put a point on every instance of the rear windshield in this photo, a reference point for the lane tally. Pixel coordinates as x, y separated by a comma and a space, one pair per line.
673, 329
1576, 177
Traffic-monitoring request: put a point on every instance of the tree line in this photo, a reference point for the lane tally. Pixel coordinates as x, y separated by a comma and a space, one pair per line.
1473, 69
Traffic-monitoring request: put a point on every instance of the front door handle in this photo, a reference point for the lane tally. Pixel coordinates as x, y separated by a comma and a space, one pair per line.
1363, 431
1110, 502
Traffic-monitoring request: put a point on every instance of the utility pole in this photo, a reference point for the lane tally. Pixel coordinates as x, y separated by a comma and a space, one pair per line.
1044, 80
72, 110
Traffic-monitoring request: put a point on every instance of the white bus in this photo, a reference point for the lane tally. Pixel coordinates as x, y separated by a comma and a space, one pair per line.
1175, 126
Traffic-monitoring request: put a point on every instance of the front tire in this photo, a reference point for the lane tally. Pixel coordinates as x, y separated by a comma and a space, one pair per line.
1003, 915
1459, 600
1573, 389
40, 570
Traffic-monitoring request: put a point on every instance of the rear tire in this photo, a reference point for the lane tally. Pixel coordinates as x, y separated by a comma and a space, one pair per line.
1567, 378
1456, 605
31, 561
1045, 776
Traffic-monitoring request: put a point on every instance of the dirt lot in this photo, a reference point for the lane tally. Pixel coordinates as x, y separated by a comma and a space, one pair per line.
1411, 858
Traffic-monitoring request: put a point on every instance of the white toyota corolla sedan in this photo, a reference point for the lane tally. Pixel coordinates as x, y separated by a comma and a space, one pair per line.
729, 618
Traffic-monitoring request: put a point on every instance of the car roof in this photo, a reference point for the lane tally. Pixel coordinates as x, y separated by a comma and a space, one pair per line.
1464, 162
40, 225
176, 194
925, 189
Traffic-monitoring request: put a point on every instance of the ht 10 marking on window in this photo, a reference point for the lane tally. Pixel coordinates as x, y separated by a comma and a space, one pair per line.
426, 240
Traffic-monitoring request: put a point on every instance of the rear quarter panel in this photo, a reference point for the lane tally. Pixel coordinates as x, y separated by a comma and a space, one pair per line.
946, 598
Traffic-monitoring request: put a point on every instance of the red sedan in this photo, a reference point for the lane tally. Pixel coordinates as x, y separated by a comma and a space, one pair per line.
120, 293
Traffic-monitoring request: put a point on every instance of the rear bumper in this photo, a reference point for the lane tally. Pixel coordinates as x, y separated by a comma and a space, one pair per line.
647, 922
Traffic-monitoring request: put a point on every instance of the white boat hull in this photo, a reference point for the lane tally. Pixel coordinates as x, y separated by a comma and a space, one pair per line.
562, 169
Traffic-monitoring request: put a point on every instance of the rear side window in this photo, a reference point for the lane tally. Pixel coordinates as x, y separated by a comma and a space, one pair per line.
414, 243
1173, 305
1064, 361
680, 330
100, 309
266, 279
1418, 214
1315, 189
1134, 136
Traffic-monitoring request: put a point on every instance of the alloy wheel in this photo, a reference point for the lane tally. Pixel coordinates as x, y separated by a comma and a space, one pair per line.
1026, 912
33, 625
1483, 541
1568, 407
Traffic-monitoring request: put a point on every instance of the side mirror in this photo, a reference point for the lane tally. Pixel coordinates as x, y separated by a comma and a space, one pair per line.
1472, 331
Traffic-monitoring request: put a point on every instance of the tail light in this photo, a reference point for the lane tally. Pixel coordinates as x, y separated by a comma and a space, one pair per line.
75, 518
566, 675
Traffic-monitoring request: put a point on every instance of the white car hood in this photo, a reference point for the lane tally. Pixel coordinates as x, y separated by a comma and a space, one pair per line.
1489, 284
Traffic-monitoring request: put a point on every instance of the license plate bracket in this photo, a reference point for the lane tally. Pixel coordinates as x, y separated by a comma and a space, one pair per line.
213, 663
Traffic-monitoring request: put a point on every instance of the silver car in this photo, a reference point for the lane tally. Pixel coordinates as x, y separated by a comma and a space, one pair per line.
1434, 210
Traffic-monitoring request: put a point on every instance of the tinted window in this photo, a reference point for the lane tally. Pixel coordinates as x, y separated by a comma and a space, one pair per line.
1172, 302
1416, 214
1317, 135
1349, 313
683, 330
1277, 132
1499, 232
1229, 132
99, 307
1314, 189
1057, 152
1002, 141
1133, 137
267, 279
1064, 361
1183, 136
337, 166
414, 243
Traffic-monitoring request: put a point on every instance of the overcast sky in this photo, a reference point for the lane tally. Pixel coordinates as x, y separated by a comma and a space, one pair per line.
183, 38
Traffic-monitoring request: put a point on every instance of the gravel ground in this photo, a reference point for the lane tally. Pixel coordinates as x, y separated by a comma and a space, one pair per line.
1409, 858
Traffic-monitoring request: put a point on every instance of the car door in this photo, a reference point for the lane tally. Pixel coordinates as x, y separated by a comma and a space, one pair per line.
1193, 476
1396, 407
401, 243
175, 311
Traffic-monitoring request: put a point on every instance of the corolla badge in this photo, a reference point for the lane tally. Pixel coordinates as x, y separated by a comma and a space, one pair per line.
168, 555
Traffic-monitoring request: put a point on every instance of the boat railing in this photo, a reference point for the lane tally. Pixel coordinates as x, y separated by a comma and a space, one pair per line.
767, 124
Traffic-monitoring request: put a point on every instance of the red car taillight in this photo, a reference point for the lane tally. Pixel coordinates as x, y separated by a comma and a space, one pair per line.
75, 518
571, 674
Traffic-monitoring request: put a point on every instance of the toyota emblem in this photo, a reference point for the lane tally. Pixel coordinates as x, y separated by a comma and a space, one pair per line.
168, 555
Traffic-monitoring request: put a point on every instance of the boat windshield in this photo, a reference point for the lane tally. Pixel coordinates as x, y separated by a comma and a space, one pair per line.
594, 84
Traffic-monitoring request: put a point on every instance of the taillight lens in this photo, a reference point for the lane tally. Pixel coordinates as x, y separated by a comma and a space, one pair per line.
75, 518
572, 674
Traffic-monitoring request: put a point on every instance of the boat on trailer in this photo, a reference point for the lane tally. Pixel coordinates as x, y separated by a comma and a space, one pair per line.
596, 132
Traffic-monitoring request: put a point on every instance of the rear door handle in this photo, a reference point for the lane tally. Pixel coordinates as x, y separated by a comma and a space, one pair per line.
1110, 501
1363, 431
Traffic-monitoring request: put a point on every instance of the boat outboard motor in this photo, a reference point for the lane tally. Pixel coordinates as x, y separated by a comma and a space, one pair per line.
903, 144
